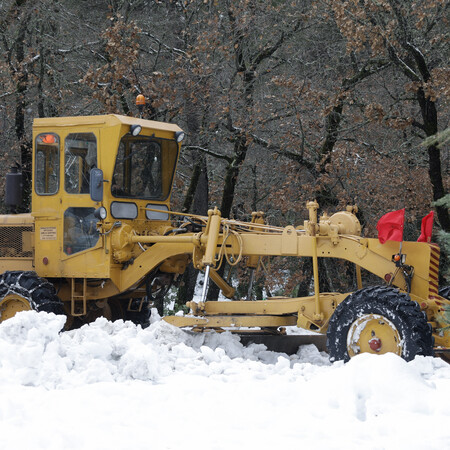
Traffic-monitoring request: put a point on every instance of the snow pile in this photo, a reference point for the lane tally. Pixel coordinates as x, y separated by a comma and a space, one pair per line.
33, 352
114, 385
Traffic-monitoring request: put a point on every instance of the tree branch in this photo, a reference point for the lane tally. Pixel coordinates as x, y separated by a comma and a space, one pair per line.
208, 152
175, 50
269, 51
402, 65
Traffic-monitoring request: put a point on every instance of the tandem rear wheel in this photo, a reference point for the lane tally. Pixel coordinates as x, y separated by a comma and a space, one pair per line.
25, 291
378, 320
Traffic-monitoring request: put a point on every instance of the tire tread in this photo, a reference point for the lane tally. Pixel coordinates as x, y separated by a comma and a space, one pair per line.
395, 306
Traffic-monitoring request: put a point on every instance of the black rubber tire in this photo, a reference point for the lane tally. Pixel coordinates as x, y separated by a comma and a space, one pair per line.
444, 291
410, 322
141, 317
40, 294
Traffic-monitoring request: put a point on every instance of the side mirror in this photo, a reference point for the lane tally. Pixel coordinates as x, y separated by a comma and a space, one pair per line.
96, 185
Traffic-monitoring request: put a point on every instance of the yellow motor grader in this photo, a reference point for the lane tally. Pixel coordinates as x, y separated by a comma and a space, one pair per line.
101, 240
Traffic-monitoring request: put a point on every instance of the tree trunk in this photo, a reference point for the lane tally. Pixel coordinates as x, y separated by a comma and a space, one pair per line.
19, 123
231, 178
231, 175
429, 116
197, 200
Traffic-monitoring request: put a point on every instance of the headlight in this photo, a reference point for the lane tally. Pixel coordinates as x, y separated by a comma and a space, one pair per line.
135, 130
100, 213
179, 136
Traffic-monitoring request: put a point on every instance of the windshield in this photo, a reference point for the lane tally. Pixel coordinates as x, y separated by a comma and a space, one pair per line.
144, 168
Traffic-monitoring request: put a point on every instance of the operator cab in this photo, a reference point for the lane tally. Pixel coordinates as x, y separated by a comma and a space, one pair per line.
121, 164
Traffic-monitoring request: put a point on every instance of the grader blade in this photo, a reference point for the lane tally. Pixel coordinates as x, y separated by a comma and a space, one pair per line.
286, 343
252, 329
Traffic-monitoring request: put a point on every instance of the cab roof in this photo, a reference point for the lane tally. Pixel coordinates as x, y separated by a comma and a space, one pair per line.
108, 120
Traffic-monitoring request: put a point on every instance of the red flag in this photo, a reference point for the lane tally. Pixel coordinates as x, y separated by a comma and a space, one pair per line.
427, 228
390, 226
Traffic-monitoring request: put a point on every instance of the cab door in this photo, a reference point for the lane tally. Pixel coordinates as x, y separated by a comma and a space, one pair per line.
46, 202
82, 253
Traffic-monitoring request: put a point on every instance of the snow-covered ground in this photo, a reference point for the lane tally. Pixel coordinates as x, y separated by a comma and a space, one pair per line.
116, 386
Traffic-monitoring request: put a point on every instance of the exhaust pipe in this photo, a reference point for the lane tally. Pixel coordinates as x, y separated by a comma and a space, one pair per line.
13, 188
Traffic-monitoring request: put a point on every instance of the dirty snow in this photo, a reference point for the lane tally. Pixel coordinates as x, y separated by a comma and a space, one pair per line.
117, 386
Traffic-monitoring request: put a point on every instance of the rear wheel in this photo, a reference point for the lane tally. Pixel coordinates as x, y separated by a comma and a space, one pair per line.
378, 320
136, 310
25, 291
139, 312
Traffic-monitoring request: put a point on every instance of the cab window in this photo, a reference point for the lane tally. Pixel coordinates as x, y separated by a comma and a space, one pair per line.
80, 230
47, 164
80, 156
144, 168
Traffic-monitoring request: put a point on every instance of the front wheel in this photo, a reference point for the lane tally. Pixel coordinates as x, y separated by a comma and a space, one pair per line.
378, 320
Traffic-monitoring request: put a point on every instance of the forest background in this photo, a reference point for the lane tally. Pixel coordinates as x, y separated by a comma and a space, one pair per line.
282, 101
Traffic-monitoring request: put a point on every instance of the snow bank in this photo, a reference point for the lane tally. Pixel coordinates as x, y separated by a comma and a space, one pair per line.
114, 385
33, 352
